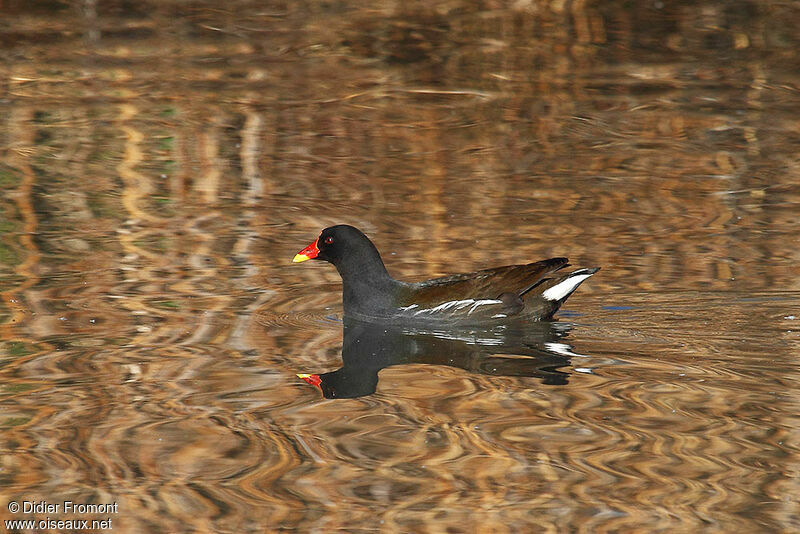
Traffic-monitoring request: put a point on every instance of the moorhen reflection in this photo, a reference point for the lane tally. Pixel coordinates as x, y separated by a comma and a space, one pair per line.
531, 350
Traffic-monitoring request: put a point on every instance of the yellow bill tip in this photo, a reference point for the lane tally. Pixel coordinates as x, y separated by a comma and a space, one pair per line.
302, 375
300, 257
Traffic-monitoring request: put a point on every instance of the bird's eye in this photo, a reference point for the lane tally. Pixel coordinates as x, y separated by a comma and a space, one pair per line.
328, 240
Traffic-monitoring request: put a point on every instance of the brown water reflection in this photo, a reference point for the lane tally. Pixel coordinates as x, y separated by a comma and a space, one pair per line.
162, 162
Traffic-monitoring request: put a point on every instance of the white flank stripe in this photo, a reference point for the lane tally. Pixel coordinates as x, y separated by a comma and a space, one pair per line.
481, 303
446, 306
559, 291
454, 304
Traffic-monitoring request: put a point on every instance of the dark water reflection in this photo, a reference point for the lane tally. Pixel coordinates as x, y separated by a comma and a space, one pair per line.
163, 161
532, 350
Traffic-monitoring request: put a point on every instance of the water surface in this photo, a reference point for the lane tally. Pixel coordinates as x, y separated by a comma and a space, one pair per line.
162, 162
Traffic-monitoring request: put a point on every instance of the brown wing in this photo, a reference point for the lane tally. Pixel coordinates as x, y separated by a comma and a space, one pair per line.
485, 284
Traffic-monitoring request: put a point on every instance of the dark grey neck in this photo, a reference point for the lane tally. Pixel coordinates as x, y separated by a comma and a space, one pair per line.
367, 288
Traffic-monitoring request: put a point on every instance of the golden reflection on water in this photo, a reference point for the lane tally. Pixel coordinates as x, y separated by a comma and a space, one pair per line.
162, 164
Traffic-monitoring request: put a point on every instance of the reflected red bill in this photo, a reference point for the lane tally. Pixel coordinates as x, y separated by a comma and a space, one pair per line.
314, 380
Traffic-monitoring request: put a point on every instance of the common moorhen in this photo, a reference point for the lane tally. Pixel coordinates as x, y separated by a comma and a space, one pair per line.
531, 292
